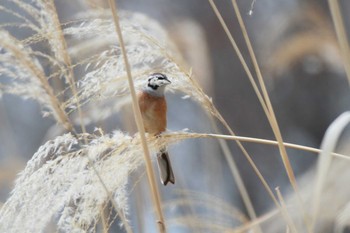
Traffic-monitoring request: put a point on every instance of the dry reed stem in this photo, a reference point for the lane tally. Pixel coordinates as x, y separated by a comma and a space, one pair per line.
104, 221
72, 86
270, 114
240, 57
256, 170
341, 34
236, 175
67, 61
328, 145
251, 162
291, 225
139, 123
217, 114
251, 140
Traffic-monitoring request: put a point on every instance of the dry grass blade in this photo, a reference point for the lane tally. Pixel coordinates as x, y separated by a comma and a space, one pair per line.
328, 145
291, 226
235, 173
270, 113
140, 126
174, 136
274, 143
251, 162
341, 34
256, 170
240, 57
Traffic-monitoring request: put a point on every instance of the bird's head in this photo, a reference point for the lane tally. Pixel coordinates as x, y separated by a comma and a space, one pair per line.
156, 84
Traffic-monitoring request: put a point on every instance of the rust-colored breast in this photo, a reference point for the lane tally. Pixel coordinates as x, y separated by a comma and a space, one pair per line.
153, 110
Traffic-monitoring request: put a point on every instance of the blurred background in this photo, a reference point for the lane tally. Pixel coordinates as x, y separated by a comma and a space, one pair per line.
301, 64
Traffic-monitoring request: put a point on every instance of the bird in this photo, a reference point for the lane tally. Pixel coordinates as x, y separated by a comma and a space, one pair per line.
153, 109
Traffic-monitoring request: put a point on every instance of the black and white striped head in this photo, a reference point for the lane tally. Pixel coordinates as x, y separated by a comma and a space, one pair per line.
156, 84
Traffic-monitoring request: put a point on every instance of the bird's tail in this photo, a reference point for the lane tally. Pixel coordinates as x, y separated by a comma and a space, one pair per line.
164, 166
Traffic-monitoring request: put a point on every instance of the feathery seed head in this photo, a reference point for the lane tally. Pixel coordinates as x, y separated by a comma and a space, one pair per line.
60, 184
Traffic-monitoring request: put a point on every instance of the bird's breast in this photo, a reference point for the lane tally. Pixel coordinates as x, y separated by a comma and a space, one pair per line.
153, 110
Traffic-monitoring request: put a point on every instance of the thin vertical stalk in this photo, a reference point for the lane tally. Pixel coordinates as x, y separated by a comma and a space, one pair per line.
71, 81
104, 220
256, 89
291, 226
270, 114
341, 35
236, 176
139, 123
240, 57
251, 162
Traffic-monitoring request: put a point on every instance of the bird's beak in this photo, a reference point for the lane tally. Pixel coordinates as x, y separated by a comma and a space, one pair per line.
166, 81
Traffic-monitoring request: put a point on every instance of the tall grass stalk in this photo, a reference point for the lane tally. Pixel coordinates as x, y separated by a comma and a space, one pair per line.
236, 175
182, 136
256, 170
270, 114
291, 225
72, 85
139, 123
